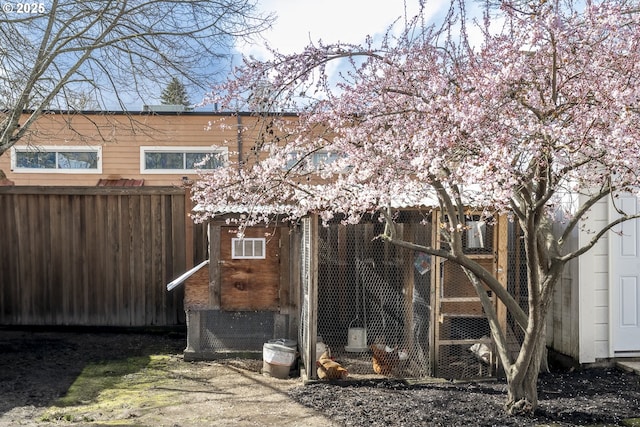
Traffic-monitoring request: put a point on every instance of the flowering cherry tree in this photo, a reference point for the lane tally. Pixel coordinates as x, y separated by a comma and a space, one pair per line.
544, 109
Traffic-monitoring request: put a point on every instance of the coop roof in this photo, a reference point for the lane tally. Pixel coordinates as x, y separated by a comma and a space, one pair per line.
408, 199
398, 202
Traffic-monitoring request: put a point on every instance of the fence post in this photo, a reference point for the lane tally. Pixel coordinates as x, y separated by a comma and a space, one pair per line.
309, 345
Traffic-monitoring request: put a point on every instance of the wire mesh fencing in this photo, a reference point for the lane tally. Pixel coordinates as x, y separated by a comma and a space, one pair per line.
382, 309
373, 299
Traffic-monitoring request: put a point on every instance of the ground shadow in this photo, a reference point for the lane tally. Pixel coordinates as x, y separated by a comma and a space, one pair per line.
37, 367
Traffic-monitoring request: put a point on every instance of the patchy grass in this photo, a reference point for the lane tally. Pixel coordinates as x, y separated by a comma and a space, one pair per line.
98, 377
117, 388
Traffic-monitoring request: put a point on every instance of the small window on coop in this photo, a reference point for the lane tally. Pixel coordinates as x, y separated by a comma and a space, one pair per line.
248, 248
478, 238
476, 234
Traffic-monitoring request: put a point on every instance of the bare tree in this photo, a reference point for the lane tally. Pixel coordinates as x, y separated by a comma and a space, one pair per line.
113, 51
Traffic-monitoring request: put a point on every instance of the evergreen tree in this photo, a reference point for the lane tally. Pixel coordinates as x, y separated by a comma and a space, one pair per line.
175, 94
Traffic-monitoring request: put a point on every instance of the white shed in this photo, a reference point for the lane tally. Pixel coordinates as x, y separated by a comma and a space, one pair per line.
596, 309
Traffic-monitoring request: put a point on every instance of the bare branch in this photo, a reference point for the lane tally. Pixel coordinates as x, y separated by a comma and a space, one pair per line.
104, 46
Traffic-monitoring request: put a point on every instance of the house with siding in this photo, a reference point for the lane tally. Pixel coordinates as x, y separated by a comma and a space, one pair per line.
149, 148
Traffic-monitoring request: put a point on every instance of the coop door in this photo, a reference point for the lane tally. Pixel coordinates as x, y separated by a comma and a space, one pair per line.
250, 269
462, 325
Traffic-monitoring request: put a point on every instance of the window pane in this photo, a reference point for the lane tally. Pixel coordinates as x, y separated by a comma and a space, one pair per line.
248, 248
163, 160
319, 159
78, 160
292, 160
324, 158
258, 251
237, 248
213, 161
35, 159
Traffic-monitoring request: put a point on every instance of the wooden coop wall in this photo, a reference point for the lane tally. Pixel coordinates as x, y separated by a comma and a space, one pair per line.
250, 284
237, 305
196, 291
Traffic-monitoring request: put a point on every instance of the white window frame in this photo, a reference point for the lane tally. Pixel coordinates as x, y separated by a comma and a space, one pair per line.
223, 151
56, 149
317, 159
261, 242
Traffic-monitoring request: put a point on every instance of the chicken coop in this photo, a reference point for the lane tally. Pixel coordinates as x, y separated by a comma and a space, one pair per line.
378, 308
382, 309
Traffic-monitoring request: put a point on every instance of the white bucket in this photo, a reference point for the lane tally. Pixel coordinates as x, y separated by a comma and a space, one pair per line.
285, 342
357, 338
278, 354
277, 360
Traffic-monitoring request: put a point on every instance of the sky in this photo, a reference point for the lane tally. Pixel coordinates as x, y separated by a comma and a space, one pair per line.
300, 22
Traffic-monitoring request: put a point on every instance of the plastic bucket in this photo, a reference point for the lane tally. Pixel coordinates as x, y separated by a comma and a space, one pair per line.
357, 337
285, 342
277, 360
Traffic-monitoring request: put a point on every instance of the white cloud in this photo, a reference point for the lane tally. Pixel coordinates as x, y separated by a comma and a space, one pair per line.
301, 22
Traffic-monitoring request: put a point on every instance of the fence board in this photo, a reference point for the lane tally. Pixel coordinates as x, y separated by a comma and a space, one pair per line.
94, 256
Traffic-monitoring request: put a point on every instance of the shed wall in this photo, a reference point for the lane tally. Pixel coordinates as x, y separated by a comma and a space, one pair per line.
593, 282
563, 319
578, 325
579, 320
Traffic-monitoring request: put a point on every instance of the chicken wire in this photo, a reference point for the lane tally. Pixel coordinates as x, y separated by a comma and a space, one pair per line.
374, 297
419, 316
517, 286
229, 331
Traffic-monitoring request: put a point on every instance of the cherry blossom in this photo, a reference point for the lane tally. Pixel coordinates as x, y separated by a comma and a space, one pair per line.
545, 108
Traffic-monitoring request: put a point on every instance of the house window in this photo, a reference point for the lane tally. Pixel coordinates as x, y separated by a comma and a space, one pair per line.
180, 159
248, 248
59, 159
313, 161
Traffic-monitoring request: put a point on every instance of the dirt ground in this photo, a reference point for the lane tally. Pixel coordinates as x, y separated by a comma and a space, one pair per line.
37, 369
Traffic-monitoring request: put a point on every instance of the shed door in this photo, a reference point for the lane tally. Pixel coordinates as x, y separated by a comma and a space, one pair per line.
250, 269
625, 279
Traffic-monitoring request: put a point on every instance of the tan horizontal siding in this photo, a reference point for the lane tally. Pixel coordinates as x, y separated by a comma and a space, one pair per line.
122, 136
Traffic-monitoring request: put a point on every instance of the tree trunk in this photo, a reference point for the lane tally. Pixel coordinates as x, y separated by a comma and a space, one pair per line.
522, 390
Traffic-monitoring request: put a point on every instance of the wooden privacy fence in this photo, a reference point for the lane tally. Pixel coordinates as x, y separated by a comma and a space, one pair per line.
95, 256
